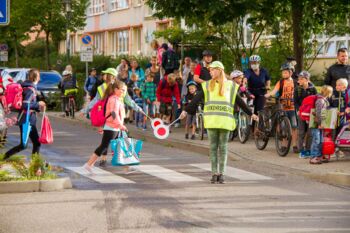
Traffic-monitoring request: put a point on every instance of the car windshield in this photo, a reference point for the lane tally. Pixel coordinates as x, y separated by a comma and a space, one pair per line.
49, 79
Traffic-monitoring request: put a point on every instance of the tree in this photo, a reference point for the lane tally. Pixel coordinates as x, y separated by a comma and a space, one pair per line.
20, 24
51, 19
305, 18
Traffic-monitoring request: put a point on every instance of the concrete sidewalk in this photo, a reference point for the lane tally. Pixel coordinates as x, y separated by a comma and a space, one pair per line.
335, 172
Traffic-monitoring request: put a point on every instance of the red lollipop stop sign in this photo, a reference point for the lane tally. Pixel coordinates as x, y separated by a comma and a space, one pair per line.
161, 131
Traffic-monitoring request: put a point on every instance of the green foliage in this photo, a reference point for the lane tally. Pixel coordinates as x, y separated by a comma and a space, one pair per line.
273, 57
4, 176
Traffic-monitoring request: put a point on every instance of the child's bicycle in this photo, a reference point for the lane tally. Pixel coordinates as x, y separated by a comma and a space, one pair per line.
244, 123
273, 122
342, 142
200, 122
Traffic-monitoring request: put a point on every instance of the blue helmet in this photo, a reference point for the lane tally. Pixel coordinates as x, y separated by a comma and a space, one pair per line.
191, 83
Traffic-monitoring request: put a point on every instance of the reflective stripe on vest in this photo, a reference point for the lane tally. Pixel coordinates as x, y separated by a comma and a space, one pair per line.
219, 110
102, 89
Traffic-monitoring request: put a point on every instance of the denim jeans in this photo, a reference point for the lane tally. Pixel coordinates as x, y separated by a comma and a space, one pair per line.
316, 144
139, 119
218, 142
303, 132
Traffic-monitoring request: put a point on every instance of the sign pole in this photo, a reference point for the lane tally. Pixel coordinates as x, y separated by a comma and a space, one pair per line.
87, 69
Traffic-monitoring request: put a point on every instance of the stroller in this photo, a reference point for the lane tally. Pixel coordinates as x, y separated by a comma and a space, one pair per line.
342, 141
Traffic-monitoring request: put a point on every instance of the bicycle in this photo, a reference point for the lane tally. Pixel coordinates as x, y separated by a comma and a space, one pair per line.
71, 105
200, 122
244, 123
273, 122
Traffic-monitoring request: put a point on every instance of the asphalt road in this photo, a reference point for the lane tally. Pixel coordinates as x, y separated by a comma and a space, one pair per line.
170, 192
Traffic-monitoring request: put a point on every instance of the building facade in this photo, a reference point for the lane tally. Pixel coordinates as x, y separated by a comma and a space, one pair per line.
118, 27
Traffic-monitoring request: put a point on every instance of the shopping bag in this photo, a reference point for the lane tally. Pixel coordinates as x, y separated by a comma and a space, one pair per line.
329, 118
26, 128
46, 134
126, 151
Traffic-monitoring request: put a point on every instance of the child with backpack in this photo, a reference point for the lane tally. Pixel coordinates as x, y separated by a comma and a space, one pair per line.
321, 103
304, 89
190, 119
138, 115
167, 89
285, 90
29, 98
114, 121
148, 91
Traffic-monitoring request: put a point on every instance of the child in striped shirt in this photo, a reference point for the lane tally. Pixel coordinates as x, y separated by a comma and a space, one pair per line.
148, 90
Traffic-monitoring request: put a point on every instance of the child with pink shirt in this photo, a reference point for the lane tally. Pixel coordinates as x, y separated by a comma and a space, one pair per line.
115, 115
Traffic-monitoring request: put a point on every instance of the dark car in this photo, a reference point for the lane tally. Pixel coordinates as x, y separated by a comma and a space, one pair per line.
48, 85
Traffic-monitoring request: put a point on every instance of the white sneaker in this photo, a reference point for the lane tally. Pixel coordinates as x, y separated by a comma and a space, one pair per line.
88, 168
129, 170
177, 125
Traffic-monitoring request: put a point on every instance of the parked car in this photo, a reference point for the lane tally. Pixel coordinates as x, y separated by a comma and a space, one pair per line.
48, 85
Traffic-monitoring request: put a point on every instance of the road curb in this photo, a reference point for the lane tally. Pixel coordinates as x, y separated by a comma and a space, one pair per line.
335, 178
35, 185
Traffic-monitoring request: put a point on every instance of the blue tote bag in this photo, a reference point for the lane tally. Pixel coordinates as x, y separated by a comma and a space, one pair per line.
26, 128
126, 151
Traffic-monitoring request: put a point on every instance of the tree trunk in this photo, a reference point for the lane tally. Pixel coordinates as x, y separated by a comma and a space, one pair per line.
16, 51
47, 50
297, 17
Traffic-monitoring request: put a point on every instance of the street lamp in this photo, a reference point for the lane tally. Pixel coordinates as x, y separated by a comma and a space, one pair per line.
68, 10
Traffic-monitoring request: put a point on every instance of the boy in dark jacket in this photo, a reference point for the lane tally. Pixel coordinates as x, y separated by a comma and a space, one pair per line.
191, 119
304, 89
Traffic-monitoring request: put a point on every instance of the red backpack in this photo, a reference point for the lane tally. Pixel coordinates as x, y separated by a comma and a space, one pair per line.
306, 106
98, 113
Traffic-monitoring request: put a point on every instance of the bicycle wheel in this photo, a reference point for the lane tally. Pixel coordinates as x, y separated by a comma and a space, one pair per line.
71, 107
200, 126
243, 127
283, 136
260, 137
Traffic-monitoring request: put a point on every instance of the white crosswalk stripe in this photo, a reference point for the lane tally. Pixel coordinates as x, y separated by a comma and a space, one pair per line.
106, 177
166, 174
101, 176
235, 173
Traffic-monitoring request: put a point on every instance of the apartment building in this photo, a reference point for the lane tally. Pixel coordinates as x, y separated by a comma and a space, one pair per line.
118, 27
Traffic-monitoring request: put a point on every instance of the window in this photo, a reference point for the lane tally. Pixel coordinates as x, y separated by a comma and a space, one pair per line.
330, 48
341, 44
98, 43
137, 2
136, 40
114, 40
123, 42
119, 4
96, 7
320, 48
72, 45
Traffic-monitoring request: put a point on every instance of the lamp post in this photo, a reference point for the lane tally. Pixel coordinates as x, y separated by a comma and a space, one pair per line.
68, 10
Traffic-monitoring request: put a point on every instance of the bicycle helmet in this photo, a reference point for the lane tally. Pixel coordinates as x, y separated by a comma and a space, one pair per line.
191, 83
207, 53
255, 58
287, 66
304, 74
66, 72
236, 74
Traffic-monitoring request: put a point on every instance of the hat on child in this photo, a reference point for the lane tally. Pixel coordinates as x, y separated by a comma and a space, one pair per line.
304, 74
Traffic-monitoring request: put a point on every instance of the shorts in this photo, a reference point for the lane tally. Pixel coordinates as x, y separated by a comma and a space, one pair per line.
190, 120
148, 108
166, 109
292, 116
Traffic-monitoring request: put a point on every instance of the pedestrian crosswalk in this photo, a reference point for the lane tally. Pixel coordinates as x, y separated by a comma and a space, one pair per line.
166, 174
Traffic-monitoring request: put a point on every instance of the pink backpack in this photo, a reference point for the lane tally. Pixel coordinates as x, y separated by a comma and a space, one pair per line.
14, 96
98, 112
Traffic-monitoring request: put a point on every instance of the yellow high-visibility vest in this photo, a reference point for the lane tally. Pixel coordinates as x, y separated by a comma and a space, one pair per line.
219, 110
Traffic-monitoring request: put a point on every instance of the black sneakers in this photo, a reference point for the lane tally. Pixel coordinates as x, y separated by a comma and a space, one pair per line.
186, 136
221, 179
214, 179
